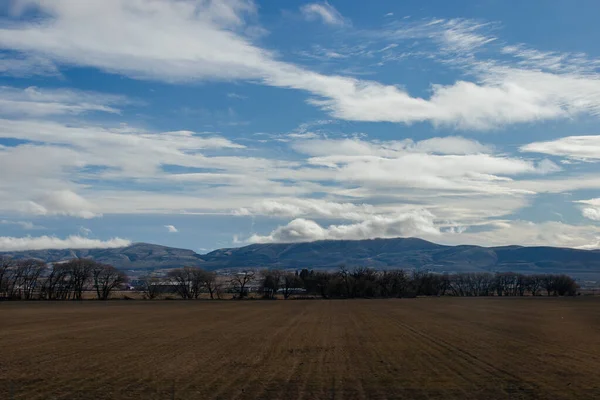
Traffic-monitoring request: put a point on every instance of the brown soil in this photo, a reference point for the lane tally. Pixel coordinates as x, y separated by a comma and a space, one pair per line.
426, 348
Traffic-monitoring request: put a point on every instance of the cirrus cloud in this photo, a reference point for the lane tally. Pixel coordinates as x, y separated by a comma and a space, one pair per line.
121, 37
37, 102
323, 11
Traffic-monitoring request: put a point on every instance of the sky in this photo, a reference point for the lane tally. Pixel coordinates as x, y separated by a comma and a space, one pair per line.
210, 124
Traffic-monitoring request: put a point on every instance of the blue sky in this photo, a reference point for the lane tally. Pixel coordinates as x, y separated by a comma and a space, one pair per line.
208, 124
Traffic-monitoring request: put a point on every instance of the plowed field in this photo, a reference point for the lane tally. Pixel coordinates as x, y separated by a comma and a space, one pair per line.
426, 348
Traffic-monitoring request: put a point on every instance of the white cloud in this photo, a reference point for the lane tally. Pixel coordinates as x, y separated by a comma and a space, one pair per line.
591, 209
85, 231
304, 135
572, 63
8, 243
121, 37
372, 184
421, 224
236, 96
380, 165
462, 35
317, 208
527, 233
469, 210
132, 152
417, 223
23, 66
171, 229
28, 225
577, 147
62, 202
323, 11
44, 102
569, 183
592, 213
448, 145
354, 174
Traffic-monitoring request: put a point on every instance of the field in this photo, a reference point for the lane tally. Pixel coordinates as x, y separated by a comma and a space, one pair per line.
425, 348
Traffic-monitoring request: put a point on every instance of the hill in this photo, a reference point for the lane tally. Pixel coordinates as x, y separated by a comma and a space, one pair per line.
377, 253
408, 253
136, 256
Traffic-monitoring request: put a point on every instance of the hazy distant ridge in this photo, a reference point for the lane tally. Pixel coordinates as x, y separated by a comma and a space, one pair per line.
378, 253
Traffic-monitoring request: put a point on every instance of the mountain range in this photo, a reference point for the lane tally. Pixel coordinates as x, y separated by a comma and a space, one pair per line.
405, 253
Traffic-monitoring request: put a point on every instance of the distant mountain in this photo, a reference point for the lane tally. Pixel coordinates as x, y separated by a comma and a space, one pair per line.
136, 256
378, 253
408, 253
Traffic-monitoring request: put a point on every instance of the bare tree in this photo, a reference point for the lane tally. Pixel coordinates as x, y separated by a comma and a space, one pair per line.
21, 278
347, 279
428, 283
322, 281
240, 280
5, 270
58, 284
548, 282
270, 283
188, 281
534, 284
80, 270
29, 272
12, 278
565, 285
364, 282
150, 286
290, 282
209, 281
218, 287
106, 279
393, 283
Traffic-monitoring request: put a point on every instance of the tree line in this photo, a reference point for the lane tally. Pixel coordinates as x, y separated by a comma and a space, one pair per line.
33, 279
371, 283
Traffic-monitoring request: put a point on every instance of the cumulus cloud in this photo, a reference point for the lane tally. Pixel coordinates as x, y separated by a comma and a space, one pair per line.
577, 147
491, 233
62, 202
171, 229
324, 12
417, 223
8, 243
